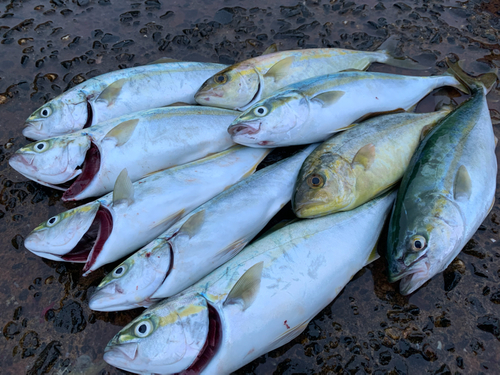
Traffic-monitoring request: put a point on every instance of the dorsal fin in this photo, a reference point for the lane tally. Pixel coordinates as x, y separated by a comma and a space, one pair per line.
271, 49
122, 132
365, 156
192, 225
110, 93
328, 98
463, 185
124, 189
280, 69
246, 288
164, 60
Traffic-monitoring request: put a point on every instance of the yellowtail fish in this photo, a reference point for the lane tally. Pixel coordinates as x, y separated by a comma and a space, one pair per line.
243, 84
447, 191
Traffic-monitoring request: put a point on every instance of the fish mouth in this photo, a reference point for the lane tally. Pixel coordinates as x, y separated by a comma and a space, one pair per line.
32, 131
89, 169
212, 343
414, 277
122, 353
242, 129
205, 95
91, 243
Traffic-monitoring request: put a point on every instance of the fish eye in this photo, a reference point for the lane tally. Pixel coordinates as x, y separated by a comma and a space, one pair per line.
40, 146
143, 329
120, 271
418, 243
46, 112
52, 221
220, 78
315, 181
260, 111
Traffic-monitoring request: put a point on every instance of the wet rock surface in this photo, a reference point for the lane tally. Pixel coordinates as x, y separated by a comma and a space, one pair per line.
451, 325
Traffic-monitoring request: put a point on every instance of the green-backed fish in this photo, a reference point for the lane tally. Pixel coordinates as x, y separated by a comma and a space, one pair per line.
243, 84
118, 93
201, 241
447, 191
133, 215
312, 110
356, 165
258, 301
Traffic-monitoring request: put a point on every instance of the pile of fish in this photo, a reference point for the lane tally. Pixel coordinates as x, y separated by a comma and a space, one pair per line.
183, 198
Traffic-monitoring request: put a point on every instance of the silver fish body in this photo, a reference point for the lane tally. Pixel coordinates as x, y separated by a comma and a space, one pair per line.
118, 93
259, 300
134, 214
143, 142
200, 242
314, 109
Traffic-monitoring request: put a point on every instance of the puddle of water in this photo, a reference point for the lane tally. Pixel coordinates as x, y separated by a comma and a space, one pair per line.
450, 325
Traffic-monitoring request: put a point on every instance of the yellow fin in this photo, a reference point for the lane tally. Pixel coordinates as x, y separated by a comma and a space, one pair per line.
373, 255
271, 49
193, 224
110, 93
365, 156
425, 130
164, 60
246, 288
328, 98
496, 141
122, 132
492, 204
124, 189
346, 127
232, 249
463, 185
170, 220
280, 69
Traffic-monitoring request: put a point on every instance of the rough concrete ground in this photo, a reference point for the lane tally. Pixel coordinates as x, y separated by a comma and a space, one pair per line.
451, 325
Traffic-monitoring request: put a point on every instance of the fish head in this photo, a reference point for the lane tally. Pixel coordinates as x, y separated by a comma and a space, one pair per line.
59, 235
65, 114
52, 161
166, 339
270, 121
325, 184
429, 239
133, 281
233, 87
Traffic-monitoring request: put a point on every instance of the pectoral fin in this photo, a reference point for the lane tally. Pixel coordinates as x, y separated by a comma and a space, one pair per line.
365, 156
193, 224
463, 184
169, 221
232, 249
124, 189
425, 130
280, 69
246, 288
328, 98
111, 92
271, 49
122, 132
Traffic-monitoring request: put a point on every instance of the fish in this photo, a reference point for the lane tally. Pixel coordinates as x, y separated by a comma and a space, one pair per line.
360, 163
447, 191
256, 302
86, 163
201, 241
312, 110
131, 216
116, 94
242, 85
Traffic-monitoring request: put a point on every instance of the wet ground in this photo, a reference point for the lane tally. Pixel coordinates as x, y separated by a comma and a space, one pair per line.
450, 326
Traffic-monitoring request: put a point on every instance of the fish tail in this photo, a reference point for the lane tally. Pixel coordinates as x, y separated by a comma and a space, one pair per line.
485, 81
389, 47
